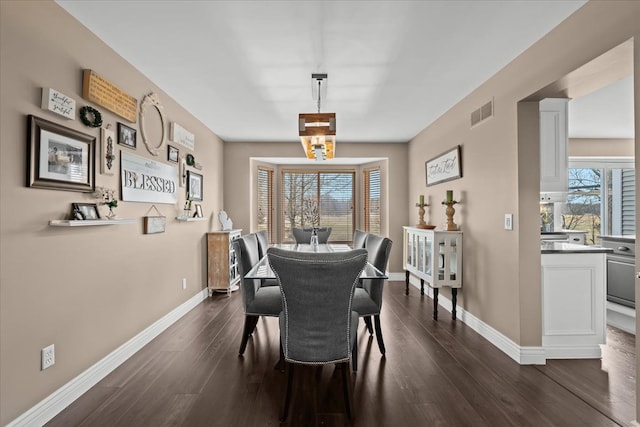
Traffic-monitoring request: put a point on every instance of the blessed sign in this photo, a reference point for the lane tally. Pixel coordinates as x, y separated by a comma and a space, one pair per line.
104, 93
145, 180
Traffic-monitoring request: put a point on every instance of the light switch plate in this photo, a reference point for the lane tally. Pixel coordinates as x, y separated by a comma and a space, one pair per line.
508, 221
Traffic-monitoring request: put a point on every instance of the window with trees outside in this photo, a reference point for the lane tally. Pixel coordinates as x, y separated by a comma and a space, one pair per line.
265, 201
317, 199
601, 198
372, 201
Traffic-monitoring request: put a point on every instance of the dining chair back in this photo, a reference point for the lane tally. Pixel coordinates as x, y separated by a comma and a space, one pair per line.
367, 300
317, 323
257, 300
303, 235
359, 238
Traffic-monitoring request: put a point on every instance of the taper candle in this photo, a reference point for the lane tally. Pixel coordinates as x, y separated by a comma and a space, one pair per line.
422, 199
449, 195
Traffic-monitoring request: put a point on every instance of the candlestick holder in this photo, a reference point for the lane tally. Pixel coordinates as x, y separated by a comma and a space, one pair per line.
421, 223
451, 226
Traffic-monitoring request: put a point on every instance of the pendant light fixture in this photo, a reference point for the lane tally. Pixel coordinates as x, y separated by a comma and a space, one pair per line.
317, 130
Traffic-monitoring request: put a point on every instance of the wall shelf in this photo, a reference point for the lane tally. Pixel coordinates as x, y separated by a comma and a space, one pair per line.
189, 218
89, 222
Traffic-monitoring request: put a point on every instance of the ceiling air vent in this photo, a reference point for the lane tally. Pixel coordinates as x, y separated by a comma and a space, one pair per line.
482, 113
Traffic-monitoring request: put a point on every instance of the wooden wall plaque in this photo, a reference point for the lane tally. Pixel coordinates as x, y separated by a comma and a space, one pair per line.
104, 93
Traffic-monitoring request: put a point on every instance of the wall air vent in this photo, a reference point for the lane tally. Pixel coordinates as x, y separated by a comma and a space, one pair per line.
482, 113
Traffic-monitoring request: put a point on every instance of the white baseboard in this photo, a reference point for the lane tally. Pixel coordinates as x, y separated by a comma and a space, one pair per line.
583, 352
53, 404
522, 355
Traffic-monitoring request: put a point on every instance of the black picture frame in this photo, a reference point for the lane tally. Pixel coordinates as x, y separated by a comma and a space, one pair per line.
127, 136
194, 186
198, 212
88, 211
59, 158
172, 154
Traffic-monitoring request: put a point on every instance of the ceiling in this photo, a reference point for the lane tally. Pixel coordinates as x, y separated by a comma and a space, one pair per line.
244, 68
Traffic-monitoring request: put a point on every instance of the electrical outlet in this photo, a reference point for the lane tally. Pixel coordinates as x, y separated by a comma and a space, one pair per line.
48, 357
184, 283
508, 221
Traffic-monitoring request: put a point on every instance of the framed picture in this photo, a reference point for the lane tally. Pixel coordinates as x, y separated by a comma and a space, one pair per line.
154, 224
88, 211
126, 135
194, 186
172, 154
60, 158
445, 167
198, 212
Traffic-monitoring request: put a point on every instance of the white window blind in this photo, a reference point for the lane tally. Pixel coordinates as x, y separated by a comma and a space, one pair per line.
372, 201
265, 201
330, 194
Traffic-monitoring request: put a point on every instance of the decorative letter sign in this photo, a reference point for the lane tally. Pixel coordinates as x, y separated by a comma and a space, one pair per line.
58, 103
104, 93
145, 180
182, 136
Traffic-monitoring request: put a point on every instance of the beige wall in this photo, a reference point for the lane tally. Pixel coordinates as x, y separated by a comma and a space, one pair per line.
595, 147
239, 171
501, 168
87, 290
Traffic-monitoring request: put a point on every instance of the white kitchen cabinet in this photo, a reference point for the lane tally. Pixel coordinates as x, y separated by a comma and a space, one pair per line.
434, 256
573, 305
553, 149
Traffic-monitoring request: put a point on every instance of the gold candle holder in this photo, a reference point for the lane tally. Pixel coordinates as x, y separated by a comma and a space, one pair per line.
421, 223
451, 226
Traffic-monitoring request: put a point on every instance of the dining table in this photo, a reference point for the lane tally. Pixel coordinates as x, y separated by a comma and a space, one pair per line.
262, 270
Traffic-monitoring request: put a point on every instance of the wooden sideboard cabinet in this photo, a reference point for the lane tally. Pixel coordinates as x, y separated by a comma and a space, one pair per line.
434, 256
222, 264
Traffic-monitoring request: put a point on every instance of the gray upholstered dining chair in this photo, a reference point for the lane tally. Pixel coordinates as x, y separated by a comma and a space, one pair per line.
257, 300
263, 245
317, 323
367, 300
359, 238
303, 235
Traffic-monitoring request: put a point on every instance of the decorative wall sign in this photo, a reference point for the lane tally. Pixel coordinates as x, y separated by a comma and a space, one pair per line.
107, 151
182, 136
154, 224
59, 103
152, 100
183, 171
60, 158
104, 93
145, 180
445, 167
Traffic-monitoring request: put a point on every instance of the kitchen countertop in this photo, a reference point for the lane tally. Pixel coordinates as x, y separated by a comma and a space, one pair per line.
618, 238
550, 247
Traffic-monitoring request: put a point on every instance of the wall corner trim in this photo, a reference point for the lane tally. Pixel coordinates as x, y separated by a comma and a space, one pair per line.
522, 355
53, 404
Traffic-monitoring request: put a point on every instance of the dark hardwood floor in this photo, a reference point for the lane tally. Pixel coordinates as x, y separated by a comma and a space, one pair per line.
436, 373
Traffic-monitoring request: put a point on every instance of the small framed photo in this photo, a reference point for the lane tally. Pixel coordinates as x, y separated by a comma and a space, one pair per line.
198, 212
60, 158
172, 154
86, 211
194, 186
126, 135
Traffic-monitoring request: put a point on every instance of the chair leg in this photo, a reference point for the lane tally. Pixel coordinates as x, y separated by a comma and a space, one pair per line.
346, 387
367, 321
354, 354
250, 323
376, 320
287, 399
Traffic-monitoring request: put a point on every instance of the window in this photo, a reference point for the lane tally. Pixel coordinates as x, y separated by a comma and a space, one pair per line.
265, 201
372, 201
601, 197
313, 198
